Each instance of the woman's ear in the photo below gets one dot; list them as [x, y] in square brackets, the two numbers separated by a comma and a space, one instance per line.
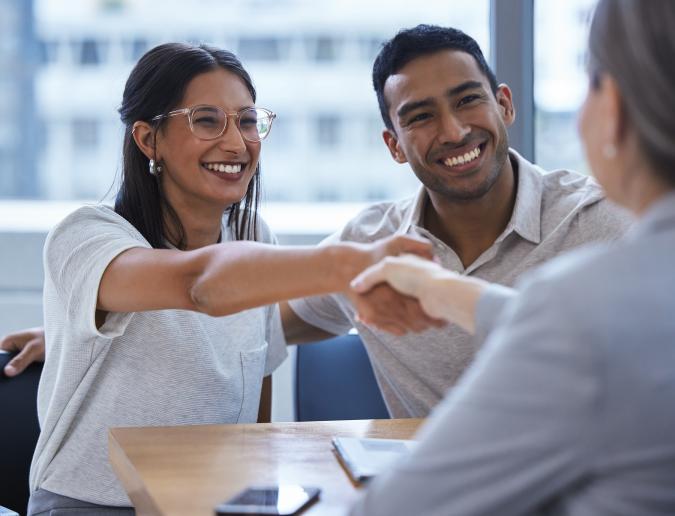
[613, 112]
[144, 136]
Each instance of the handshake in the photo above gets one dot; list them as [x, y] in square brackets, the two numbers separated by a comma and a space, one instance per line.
[406, 290]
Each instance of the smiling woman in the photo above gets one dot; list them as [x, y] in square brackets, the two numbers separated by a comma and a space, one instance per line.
[161, 311]
[188, 152]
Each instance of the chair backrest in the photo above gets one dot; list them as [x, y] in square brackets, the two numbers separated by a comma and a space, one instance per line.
[19, 429]
[334, 381]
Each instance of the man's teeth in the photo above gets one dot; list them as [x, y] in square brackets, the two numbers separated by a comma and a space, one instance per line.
[461, 160]
[222, 167]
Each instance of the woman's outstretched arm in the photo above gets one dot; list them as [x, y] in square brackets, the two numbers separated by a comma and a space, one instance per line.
[222, 279]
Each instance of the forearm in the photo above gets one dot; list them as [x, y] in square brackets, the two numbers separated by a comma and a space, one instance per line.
[241, 275]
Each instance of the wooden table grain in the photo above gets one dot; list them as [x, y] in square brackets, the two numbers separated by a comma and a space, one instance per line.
[188, 470]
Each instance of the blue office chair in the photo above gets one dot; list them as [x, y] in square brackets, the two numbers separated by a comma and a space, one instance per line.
[19, 429]
[334, 380]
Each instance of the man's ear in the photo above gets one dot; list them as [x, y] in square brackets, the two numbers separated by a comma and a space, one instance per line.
[505, 100]
[391, 142]
[144, 136]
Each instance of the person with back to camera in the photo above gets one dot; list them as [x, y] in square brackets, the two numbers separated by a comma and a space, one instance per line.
[150, 307]
[568, 408]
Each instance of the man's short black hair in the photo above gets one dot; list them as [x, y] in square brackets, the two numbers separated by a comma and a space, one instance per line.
[422, 40]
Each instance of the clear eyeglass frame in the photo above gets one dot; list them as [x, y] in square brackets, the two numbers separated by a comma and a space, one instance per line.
[263, 124]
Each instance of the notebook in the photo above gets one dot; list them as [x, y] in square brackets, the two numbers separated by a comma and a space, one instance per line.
[365, 458]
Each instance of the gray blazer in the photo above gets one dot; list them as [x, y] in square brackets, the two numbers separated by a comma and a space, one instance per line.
[569, 407]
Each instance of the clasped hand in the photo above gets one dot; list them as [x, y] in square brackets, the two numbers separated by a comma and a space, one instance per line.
[387, 295]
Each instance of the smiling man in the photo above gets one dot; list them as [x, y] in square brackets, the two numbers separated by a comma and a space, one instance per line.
[489, 212]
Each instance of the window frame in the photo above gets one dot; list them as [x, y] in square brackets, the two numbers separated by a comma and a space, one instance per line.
[512, 60]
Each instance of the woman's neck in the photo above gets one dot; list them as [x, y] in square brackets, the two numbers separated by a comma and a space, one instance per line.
[201, 227]
[647, 189]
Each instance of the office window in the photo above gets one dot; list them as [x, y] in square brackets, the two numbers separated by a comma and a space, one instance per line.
[7, 135]
[560, 82]
[370, 46]
[376, 192]
[327, 193]
[328, 130]
[323, 49]
[47, 51]
[133, 49]
[372, 131]
[8, 21]
[87, 50]
[112, 5]
[263, 48]
[85, 134]
[283, 132]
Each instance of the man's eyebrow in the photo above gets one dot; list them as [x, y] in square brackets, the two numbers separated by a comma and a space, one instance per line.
[412, 106]
[468, 85]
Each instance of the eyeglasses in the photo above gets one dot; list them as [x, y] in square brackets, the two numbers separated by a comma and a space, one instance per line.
[210, 122]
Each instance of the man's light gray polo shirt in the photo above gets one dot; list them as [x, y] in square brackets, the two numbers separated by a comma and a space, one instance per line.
[553, 212]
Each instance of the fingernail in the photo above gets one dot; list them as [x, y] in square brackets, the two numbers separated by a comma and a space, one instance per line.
[10, 370]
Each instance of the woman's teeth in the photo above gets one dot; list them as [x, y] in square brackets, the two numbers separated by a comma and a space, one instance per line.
[222, 167]
[463, 159]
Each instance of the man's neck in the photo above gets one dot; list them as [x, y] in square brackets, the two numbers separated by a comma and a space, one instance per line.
[471, 227]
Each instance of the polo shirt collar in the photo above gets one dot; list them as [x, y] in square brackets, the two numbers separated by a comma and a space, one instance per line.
[526, 216]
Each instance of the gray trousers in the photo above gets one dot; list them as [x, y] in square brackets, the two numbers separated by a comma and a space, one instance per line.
[46, 503]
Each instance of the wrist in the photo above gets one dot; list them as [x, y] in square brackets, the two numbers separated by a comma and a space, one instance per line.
[346, 261]
[467, 292]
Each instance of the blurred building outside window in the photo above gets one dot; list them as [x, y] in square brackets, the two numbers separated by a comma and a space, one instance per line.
[311, 64]
[560, 82]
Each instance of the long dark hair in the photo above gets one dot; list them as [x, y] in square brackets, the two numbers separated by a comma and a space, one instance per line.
[155, 86]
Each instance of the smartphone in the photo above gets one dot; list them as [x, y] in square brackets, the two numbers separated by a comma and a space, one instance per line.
[282, 500]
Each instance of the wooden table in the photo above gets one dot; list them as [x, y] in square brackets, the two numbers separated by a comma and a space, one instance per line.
[189, 470]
